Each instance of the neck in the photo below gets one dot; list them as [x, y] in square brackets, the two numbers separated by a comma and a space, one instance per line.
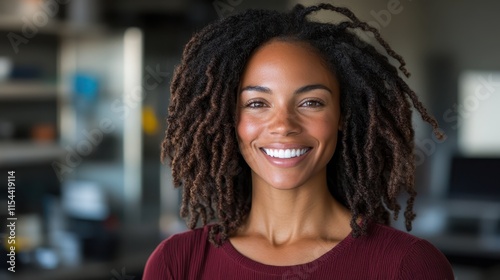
[284, 216]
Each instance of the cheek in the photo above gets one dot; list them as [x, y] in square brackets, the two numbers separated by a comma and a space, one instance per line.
[328, 133]
[326, 128]
[247, 129]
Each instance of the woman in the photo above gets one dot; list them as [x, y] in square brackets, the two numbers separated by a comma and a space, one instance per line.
[292, 140]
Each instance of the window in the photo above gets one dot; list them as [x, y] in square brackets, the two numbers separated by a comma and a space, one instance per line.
[478, 114]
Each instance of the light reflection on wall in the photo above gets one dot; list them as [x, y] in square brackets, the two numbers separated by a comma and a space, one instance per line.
[478, 114]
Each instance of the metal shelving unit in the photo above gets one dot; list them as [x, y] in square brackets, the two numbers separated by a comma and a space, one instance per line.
[114, 56]
[27, 90]
[18, 153]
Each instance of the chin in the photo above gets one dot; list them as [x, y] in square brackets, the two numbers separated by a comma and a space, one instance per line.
[285, 185]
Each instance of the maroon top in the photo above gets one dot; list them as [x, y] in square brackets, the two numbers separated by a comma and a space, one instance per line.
[385, 253]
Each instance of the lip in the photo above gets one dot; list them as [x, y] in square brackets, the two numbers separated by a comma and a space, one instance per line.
[285, 162]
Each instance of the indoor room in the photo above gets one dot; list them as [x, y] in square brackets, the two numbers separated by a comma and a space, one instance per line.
[84, 97]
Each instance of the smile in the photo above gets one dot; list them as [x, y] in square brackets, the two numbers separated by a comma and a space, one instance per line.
[285, 153]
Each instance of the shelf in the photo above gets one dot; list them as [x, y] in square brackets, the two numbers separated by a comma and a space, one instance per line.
[16, 24]
[53, 27]
[27, 90]
[15, 153]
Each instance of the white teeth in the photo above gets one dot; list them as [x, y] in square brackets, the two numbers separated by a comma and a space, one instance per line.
[281, 154]
[288, 153]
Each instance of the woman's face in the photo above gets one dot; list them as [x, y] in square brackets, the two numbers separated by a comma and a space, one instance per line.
[288, 115]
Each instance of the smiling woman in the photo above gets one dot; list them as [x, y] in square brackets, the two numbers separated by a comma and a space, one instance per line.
[292, 140]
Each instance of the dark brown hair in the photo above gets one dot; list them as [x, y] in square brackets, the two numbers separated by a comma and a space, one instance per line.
[374, 159]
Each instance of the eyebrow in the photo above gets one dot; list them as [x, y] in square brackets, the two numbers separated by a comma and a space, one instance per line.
[297, 91]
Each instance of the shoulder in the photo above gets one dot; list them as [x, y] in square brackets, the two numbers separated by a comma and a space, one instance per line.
[170, 258]
[386, 235]
[417, 258]
[185, 241]
[424, 261]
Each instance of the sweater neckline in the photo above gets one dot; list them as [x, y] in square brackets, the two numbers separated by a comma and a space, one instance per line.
[290, 270]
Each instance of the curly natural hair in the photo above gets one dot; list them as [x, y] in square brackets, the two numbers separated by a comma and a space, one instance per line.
[374, 159]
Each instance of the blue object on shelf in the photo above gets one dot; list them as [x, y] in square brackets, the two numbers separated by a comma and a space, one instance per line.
[25, 72]
[86, 86]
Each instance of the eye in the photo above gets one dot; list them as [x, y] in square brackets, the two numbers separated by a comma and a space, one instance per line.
[255, 104]
[312, 103]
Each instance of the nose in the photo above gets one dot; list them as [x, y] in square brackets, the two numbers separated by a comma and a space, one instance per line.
[284, 122]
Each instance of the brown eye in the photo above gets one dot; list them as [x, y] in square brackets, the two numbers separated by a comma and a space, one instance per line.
[255, 104]
[312, 103]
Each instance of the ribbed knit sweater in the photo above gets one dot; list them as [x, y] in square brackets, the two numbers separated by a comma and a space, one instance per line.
[384, 253]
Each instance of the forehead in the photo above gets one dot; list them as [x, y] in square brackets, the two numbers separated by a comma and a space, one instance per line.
[286, 62]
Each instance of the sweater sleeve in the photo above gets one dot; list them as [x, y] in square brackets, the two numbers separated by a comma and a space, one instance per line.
[424, 261]
[156, 266]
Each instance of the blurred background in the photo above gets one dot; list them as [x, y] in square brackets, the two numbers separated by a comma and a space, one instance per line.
[84, 90]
